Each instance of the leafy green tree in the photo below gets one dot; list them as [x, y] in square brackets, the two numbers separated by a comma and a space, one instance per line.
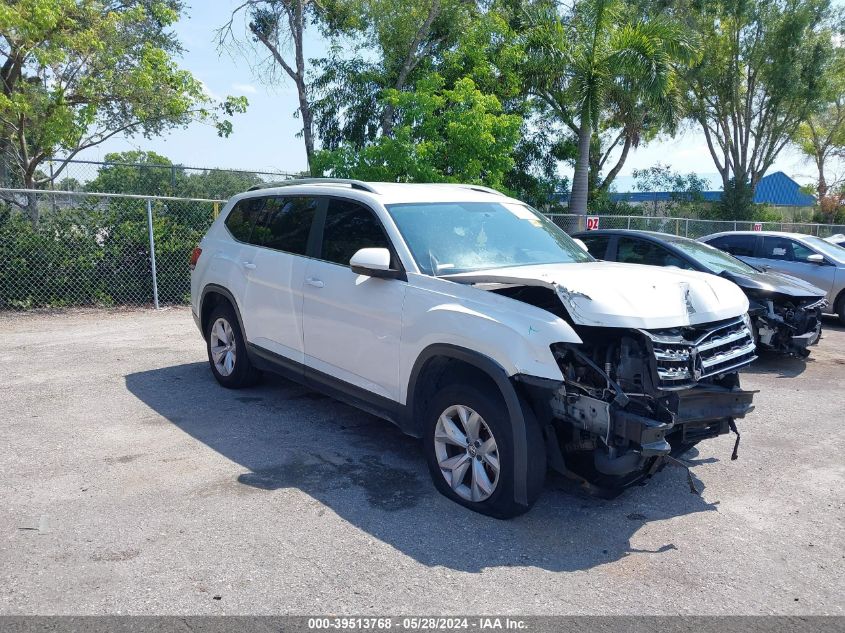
[275, 25]
[441, 135]
[685, 190]
[138, 172]
[74, 73]
[395, 42]
[821, 137]
[762, 72]
[399, 45]
[597, 67]
[219, 183]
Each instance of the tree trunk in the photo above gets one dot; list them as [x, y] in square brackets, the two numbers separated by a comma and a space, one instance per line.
[580, 180]
[31, 199]
[822, 188]
[307, 125]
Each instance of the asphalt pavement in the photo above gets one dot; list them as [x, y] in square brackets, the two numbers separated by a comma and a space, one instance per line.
[131, 483]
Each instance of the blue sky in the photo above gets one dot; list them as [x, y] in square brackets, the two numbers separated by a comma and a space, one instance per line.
[265, 137]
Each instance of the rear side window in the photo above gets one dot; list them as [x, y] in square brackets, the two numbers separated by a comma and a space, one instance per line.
[737, 245]
[633, 251]
[350, 227]
[285, 223]
[241, 218]
[596, 244]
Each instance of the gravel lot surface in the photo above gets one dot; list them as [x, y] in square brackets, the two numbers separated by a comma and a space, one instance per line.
[130, 482]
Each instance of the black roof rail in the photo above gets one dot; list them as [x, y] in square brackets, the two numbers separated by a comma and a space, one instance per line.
[353, 184]
[482, 189]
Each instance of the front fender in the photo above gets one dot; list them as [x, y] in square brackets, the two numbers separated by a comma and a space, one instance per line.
[515, 335]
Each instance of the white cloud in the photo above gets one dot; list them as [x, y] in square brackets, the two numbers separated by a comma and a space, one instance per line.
[247, 88]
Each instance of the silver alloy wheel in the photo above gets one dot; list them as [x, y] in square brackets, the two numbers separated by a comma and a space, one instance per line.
[223, 348]
[466, 452]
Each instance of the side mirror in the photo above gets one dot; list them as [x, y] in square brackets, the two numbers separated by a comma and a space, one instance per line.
[373, 262]
[580, 243]
[815, 258]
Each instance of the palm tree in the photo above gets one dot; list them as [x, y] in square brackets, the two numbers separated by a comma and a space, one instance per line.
[578, 62]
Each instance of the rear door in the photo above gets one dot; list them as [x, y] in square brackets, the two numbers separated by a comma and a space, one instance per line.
[273, 300]
[742, 246]
[352, 323]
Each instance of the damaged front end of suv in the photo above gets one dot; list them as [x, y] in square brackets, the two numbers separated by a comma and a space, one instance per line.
[653, 374]
[630, 399]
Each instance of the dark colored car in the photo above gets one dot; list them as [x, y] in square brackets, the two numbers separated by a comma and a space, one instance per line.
[785, 311]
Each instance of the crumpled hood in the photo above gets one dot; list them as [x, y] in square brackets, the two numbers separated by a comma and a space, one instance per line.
[610, 294]
[772, 282]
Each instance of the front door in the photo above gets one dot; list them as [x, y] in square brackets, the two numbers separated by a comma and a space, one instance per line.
[352, 323]
[790, 256]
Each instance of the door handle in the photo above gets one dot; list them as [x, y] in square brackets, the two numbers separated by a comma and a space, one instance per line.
[313, 281]
[248, 265]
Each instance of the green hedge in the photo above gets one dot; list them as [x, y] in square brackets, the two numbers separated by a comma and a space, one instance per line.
[98, 255]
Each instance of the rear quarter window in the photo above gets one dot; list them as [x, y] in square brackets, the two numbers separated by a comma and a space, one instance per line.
[241, 218]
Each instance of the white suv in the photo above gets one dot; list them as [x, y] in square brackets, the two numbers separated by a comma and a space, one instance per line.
[473, 322]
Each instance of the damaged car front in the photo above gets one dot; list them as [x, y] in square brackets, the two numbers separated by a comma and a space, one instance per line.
[785, 311]
[654, 373]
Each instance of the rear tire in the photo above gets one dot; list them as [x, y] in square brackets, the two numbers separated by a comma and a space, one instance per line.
[469, 448]
[226, 347]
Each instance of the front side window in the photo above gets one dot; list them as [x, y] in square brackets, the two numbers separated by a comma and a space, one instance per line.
[780, 248]
[285, 223]
[242, 217]
[736, 245]
[633, 251]
[349, 227]
[454, 237]
[712, 258]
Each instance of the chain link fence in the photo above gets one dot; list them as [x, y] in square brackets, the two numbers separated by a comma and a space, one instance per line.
[145, 178]
[62, 249]
[75, 249]
[687, 227]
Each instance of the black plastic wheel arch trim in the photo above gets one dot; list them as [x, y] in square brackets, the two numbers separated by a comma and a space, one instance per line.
[503, 381]
[217, 289]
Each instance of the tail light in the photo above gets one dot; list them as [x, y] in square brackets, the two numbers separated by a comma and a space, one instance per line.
[195, 255]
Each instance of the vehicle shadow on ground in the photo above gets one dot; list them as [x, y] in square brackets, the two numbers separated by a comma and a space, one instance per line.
[779, 364]
[373, 476]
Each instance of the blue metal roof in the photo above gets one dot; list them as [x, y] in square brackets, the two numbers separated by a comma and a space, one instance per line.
[776, 189]
[780, 190]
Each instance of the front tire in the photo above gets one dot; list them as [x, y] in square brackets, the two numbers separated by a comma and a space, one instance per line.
[226, 347]
[469, 449]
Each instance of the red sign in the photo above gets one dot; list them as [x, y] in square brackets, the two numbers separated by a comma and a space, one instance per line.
[592, 222]
[758, 226]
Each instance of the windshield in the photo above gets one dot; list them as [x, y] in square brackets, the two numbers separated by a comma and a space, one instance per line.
[456, 237]
[712, 258]
[826, 248]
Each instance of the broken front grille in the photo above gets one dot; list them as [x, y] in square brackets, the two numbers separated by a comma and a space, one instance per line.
[686, 355]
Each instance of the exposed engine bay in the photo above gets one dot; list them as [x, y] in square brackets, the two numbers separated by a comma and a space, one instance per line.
[633, 399]
[787, 324]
